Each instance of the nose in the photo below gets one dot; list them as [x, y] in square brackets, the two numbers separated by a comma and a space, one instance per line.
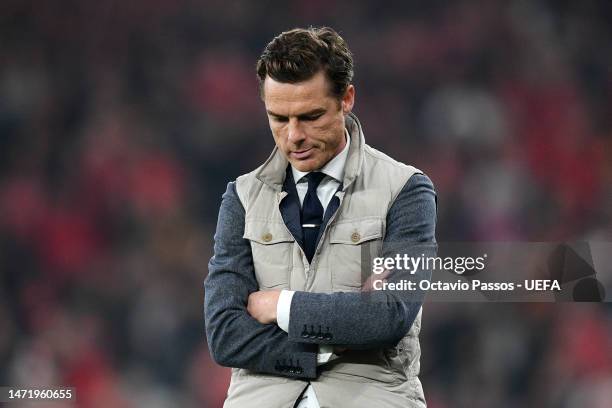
[296, 133]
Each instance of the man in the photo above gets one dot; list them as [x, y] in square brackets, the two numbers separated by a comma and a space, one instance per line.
[284, 299]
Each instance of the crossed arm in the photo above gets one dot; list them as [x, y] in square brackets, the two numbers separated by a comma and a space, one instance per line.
[236, 339]
[240, 318]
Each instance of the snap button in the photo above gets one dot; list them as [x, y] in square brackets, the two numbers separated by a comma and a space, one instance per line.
[267, 237]
[355, 237]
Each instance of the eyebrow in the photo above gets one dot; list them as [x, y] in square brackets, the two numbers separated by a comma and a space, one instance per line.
[313, 112]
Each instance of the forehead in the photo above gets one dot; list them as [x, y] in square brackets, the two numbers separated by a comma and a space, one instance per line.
[285, 98]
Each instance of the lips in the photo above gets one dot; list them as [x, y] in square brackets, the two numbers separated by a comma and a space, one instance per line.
[302, 154]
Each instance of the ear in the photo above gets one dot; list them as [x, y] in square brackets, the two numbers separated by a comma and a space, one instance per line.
[348, 100]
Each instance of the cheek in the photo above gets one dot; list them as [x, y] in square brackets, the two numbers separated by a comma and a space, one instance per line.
[278, 134]
[321, 130]
[280, 142]
[326, 132]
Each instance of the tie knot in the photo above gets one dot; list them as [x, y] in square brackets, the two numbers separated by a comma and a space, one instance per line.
[314, 179]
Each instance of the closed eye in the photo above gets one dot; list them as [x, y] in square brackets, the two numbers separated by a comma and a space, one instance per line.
[310, 117]
[279, 118]
[306, 116]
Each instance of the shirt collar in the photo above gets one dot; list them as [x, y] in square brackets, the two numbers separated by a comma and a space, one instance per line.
[333, 168]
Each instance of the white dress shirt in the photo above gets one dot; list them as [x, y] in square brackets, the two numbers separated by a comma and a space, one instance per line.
[334, 174]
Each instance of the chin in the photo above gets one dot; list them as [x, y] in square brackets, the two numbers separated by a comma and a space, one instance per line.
[302, 167]
[306, 165]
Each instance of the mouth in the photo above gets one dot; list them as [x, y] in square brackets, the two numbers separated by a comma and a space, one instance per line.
[302, 154]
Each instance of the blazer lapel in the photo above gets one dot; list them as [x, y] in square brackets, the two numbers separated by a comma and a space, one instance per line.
[290, 208]
[331, 209]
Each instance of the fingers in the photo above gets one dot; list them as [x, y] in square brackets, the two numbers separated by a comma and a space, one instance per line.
[368, 285]
[261, 305]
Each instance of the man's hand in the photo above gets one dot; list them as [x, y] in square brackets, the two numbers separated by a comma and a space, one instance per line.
[262, 305]
[368, 285]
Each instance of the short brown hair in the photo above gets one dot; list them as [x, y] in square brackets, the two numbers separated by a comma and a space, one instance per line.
[297, 55]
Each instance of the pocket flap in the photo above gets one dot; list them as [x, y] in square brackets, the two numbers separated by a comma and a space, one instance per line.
[356, 232]
[266, 232]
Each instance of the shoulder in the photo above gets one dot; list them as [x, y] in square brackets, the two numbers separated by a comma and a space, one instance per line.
[237, 192]
[377, 161]
[419, 191]
[230, 202]
[419, 183]
[246, 184]
[383, 170]
[413, 214]
[384, 162]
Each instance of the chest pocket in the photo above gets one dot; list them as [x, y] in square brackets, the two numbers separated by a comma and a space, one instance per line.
[353, 244]
[272, 249]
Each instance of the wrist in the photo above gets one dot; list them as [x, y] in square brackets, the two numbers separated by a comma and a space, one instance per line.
[274, 306]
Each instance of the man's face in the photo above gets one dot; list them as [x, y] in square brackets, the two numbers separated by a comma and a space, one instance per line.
[307, 122]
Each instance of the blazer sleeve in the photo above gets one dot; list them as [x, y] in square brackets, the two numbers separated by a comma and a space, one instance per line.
[377, 318]
[235, 339]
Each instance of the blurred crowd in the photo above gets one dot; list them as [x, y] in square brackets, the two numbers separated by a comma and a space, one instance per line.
[122, 122]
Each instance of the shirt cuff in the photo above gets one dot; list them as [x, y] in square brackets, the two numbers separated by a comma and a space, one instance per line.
[283, 309]
[326, 354]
